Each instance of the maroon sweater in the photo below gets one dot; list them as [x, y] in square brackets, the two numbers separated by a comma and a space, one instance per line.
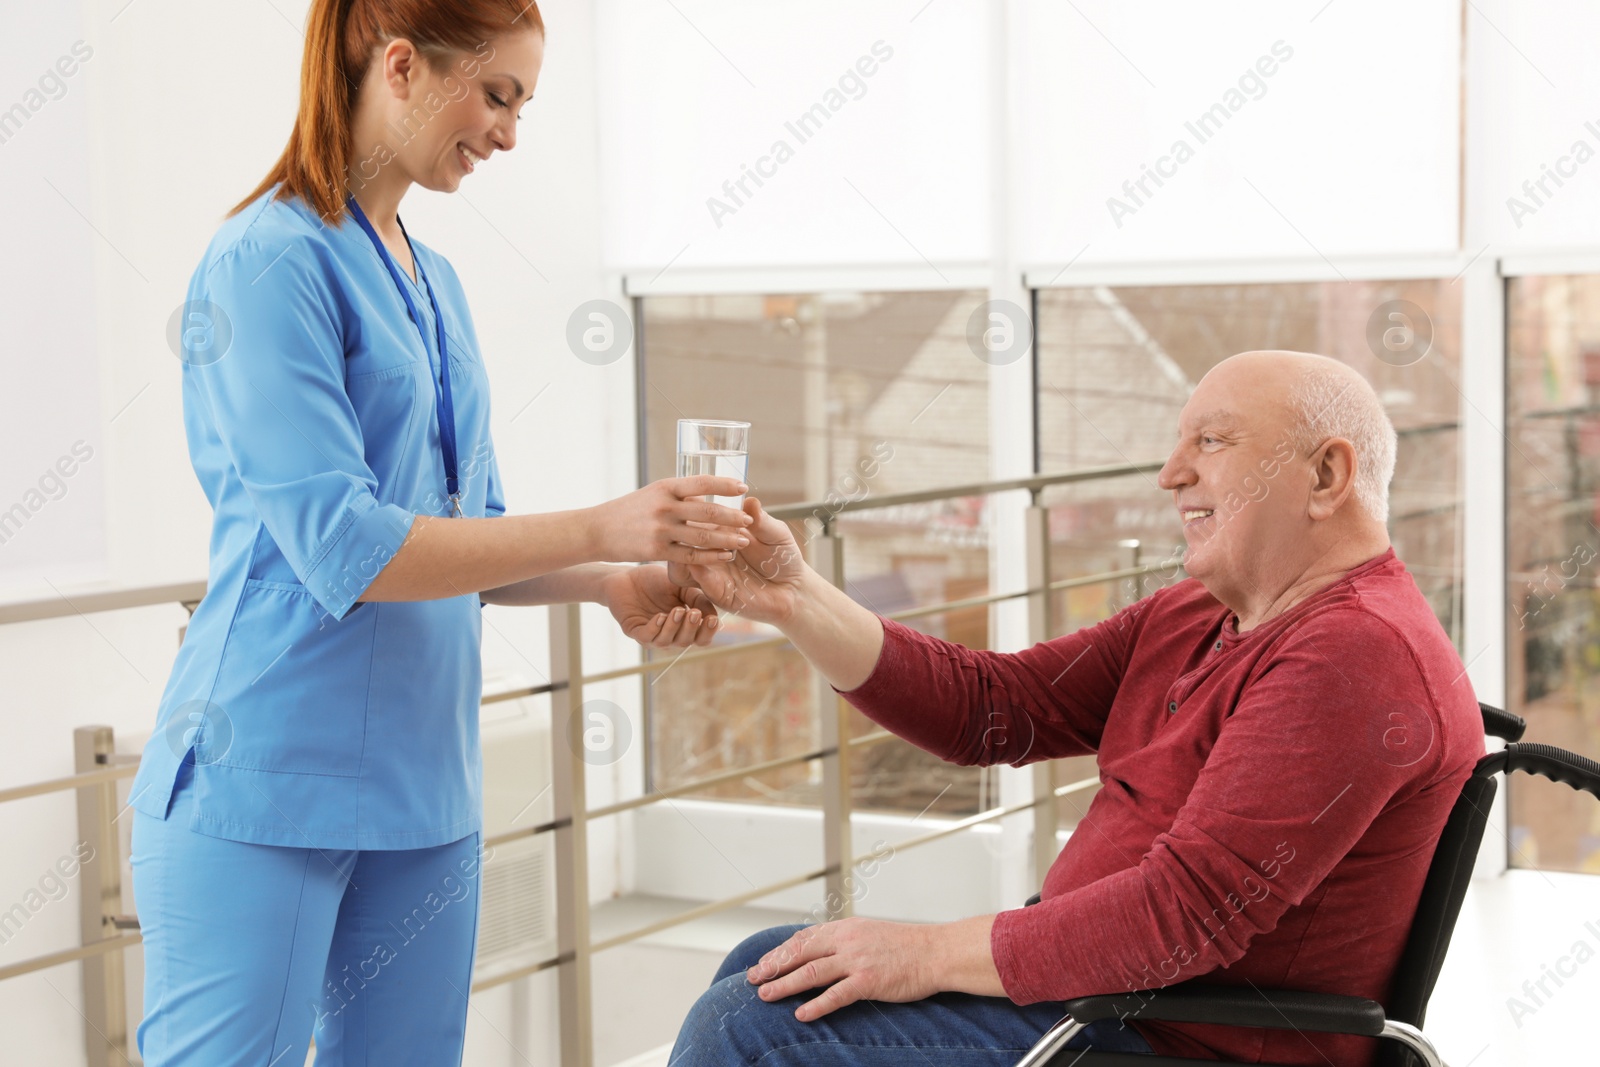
[1270, 802]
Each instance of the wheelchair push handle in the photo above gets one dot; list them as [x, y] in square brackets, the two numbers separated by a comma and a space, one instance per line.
[1556, 764]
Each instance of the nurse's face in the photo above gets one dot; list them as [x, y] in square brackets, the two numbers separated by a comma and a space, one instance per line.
[477, 96]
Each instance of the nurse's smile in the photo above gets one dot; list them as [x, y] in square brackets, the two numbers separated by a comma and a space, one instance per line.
[429, 118]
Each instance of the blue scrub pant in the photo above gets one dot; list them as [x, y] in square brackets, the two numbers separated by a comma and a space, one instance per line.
[250, 948]
[731, 1025]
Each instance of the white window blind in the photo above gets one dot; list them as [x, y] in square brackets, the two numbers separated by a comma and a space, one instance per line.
[842, 133]
[1263, 129]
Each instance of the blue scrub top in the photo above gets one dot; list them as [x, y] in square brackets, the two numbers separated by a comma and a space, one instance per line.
[314, 720]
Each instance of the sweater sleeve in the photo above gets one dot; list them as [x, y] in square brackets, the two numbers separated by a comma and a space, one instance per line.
[1313, 751]
[972, 707]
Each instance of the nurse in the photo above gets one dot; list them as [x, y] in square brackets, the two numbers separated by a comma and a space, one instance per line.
[306, 840]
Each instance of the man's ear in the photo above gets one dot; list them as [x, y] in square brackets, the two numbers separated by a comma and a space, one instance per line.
[1333, 469]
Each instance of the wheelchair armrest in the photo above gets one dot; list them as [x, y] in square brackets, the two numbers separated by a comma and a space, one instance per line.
[1278, 1009]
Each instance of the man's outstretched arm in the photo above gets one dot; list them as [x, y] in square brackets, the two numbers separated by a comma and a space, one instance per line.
[966, 706]
[839, 637]
[771, 583]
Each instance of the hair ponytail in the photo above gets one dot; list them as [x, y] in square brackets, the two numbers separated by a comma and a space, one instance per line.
[341, 36]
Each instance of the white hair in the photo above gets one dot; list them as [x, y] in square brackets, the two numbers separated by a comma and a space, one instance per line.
[1333, 401]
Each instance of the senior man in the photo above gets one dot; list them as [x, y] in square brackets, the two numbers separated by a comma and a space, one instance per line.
[1280, 738]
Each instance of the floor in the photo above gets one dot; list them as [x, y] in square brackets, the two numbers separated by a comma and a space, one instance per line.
[1523, 975]
[653, 983]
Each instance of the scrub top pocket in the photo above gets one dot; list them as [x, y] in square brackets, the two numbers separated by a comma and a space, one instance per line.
[307, 726]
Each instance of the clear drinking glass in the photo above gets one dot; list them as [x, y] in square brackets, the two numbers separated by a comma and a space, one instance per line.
[714, 446]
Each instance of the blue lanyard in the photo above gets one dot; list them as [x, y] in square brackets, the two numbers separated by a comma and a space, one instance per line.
[445, 409]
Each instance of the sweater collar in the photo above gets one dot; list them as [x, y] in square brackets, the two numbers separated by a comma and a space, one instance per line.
[1230, 619]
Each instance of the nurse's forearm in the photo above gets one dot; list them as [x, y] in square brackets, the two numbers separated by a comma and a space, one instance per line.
[451, 557]
[575, 585]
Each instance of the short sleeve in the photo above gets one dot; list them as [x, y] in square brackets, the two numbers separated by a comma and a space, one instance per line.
[276, 400]
[494, 501]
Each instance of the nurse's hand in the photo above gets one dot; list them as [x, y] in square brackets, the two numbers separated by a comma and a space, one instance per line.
[655, 612]
[664, 521]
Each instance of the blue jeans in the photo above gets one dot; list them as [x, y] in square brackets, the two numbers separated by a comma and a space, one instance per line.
[729, 1025]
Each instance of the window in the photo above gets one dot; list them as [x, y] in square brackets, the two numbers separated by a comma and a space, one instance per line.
[850, 394]
[867, 394]
[1552, 544]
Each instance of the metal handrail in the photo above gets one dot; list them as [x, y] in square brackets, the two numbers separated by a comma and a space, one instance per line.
[104, 933]
[111, 774]
[193, 591]
[1034, 483]
[52, 607]
[67, 955]
[100, 768]
[128, 940]
[723, 777]
[83, 603]
[70, 781]
[989, 815]
[967, 603]
[728, 903]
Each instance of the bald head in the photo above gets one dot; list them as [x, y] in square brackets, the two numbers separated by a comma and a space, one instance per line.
[1280, 477]
[1317, 398]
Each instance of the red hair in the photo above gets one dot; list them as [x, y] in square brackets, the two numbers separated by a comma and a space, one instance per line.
[341, 37]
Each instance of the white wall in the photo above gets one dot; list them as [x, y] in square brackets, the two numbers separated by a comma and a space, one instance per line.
[50, 516]
[186, 103]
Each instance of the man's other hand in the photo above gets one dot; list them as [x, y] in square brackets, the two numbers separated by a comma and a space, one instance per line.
[856, 959]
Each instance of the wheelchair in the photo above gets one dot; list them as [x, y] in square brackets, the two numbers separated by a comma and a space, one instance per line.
[1399, 1021]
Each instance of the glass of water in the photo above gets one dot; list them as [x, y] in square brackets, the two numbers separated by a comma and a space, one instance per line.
[714, 446]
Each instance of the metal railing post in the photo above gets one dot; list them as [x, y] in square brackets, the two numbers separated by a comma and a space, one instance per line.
[105, 1013]
[571, 805]
[838, 847]
[1040, 628]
